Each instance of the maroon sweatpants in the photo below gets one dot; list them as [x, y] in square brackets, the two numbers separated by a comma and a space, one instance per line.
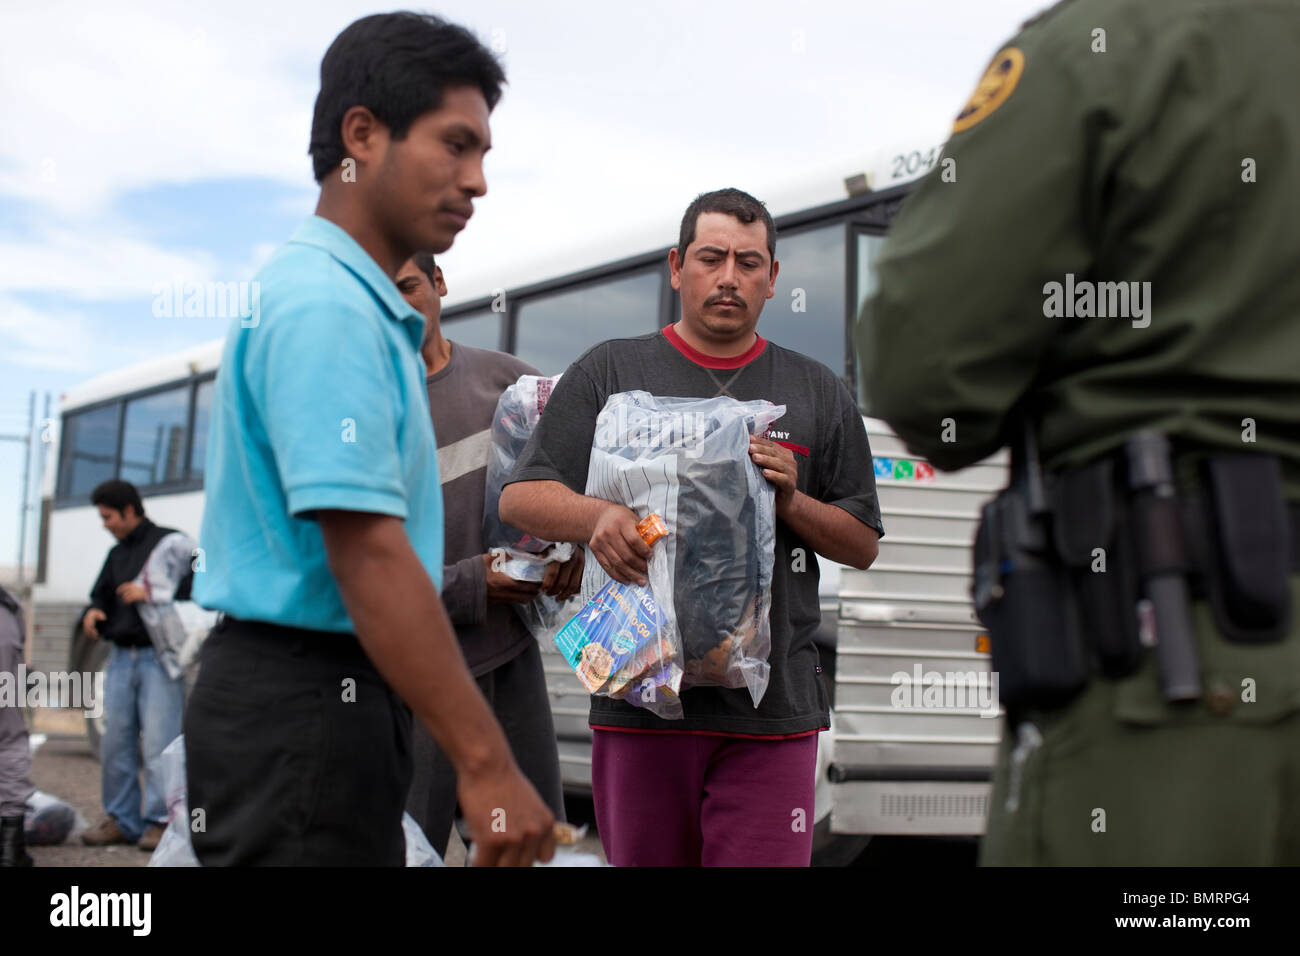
[674, 799]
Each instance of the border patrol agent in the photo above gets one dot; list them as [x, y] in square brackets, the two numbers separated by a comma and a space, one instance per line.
[1101, 273]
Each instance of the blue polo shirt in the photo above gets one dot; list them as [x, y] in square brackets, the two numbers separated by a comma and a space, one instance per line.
[319, 403]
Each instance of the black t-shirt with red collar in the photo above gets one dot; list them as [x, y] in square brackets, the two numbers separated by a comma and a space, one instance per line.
[824, 429]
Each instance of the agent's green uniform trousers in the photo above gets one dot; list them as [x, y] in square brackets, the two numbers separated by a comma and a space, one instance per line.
[1120, 778]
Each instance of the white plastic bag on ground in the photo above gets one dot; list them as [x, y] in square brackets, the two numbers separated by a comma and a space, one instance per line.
[50, 821]
[566, 858]
[419, 851]
[175, 848]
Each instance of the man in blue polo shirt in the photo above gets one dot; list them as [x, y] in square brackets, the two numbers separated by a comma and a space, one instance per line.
[322, 537]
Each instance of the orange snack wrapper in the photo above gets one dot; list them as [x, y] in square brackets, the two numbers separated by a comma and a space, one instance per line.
[651, 528]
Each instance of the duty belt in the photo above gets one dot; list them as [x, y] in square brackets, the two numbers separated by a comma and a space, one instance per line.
[1077, 571]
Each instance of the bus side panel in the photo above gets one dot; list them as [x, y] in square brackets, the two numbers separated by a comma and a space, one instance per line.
[916, 715]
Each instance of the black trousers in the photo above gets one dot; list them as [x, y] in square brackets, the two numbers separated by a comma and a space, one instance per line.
[516, 691]
[297, 752]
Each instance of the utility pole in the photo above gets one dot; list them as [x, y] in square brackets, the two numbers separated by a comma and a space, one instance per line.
[26, 439]
[27, 483]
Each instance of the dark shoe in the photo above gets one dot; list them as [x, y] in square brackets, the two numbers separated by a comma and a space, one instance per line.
[149, 841]
[106, 833]
[13, 851]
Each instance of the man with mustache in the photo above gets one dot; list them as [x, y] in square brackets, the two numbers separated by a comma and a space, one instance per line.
[730, 783]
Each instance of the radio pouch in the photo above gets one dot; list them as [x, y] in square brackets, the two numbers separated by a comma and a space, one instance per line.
[1091, 536]
[1023, 596]
[1249, 547]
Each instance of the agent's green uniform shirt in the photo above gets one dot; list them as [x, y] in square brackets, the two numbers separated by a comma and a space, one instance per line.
[1128, 165]
[1171, 158]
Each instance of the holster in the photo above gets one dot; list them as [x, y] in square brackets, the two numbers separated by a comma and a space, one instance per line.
[1092, 525]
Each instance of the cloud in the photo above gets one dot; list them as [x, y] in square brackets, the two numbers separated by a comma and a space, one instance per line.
[94, 263]
[121, 97]
[61, 339]
[88, 341]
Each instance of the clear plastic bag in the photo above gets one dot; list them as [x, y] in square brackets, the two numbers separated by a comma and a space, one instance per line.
[622, 644]
[523, 566]
[175, 848]
[518, 554]
[711, 576]
[518, 409]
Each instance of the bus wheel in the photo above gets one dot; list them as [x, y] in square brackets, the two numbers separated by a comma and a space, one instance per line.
[90, 656]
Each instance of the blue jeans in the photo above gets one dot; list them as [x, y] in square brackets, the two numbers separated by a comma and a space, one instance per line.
[142, 707]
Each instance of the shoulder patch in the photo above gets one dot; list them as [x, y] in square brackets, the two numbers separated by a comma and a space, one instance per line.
[993, 89]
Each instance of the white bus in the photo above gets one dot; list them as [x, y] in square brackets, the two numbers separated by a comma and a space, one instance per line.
[888, 766]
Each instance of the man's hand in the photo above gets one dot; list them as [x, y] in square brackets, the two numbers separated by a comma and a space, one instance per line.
[503, 589]
[90, 623]
[563, 581]
[779, 467]
[508, 822]
[132, 593]
[618, 546]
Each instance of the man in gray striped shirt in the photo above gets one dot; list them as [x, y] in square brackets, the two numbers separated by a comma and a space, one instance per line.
[464, 385]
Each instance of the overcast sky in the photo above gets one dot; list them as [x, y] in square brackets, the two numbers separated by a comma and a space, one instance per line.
[149, 141]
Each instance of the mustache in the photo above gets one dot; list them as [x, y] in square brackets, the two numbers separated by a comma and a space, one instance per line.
[719, 297]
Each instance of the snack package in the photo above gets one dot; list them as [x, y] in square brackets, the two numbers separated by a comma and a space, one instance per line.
[687, 461]
[620, 644]
[514, 552]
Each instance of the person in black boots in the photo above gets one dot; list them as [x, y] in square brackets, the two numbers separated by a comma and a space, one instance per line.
[15, 750]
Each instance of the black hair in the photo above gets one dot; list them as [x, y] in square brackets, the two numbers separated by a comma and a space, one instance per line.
[424, 262]
[397, 65]
[733, 202]
[117, 495]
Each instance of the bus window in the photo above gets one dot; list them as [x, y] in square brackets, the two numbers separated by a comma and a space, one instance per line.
[479, 330]
[202, 415]
[554, 330]
[89, 444]
[153, 442]
[867, 252]
[807, 312]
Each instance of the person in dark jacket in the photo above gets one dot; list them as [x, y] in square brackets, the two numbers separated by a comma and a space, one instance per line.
[142, 704]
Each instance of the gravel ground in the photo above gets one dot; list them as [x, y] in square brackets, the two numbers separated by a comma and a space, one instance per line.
[65, 767]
